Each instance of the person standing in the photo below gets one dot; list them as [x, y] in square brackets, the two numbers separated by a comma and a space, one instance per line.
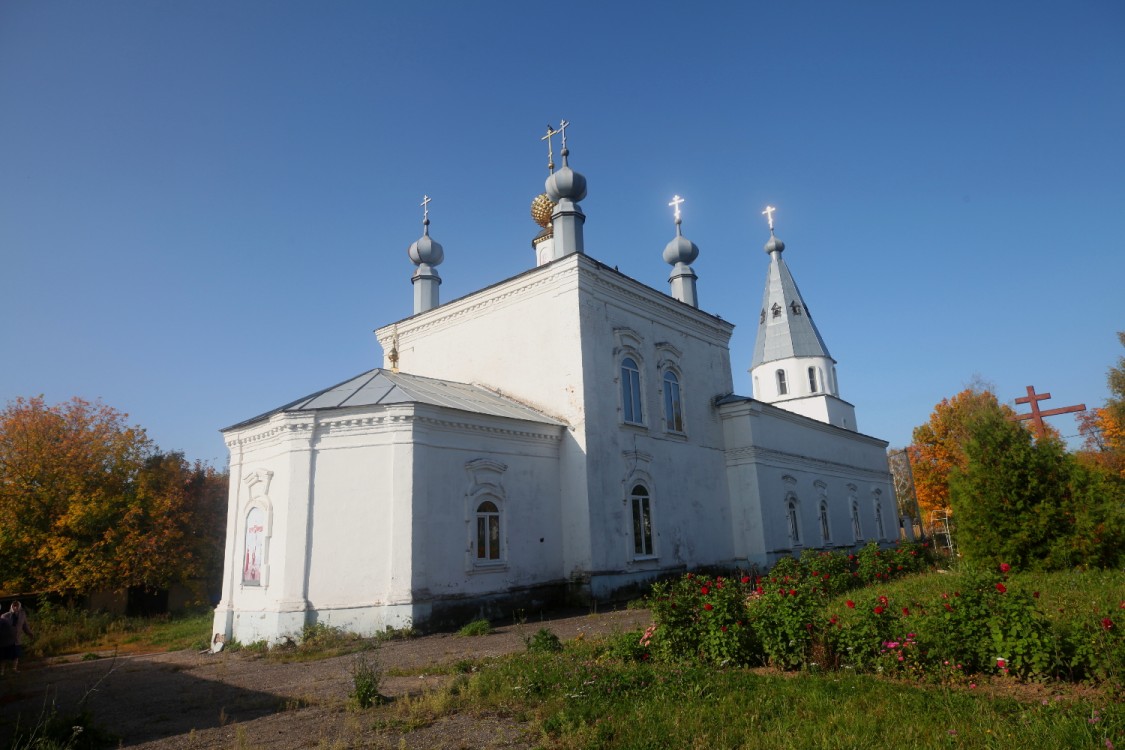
[15, 622]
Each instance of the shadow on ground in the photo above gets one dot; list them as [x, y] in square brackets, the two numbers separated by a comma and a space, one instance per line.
[174, 700]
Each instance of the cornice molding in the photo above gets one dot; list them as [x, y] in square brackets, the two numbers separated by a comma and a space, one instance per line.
[785, 460]
[317, 427]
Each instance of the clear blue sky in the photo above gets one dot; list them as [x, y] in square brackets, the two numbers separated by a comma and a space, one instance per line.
[205, 206]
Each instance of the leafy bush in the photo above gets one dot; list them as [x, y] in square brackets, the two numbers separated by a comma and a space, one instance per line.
[704, 617]
[544, 641]
[476, 627]
[935, 627]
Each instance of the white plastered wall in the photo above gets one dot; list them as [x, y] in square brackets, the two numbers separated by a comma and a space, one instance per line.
[773, 454]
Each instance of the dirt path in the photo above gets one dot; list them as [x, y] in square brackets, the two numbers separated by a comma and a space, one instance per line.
[235, 700]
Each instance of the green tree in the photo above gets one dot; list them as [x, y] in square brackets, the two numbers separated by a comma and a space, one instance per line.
[1028, 502]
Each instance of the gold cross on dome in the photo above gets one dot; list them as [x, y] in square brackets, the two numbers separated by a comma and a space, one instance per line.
[676, 201]
[551, 132]
[768, 213]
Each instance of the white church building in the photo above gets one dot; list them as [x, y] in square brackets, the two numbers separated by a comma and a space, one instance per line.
[565, 434]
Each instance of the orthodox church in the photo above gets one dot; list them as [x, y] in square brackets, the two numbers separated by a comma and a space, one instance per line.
[567, 433]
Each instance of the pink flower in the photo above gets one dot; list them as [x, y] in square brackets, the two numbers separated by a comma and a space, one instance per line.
[1107, 623]
[879, 610]
[1005, 567]
[705, 591]
[708, 607]
[1001, 588]
[850, 603]
[746, 579]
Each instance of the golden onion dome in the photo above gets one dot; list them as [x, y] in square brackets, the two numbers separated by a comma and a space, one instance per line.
[541, 209]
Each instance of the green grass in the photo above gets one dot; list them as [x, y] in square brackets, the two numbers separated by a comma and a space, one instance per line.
[60, 631]
[585, 698]
[476, 627]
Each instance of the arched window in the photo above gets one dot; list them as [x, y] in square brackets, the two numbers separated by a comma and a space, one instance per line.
[488, 531]
[857, 530]
[631, 391]
[255, 547]
[782, 386]
[825, 530]
[812, 380]
[794, 521]
[642, 522]
[673, 407]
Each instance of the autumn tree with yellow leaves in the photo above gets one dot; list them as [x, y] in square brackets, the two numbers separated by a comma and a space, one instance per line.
[939, 445]
[87, 502]
[1104, 428]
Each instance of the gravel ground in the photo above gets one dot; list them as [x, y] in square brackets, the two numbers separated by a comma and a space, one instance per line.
[236, 700]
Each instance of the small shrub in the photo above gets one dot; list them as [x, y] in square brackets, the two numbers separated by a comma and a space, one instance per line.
[366, 676]
[476, 627]
[396, 634]
[631, 646]
[319, 636]
[544, 642]
[464, 666]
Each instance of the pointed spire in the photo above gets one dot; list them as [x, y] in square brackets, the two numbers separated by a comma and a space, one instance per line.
[791, 367]
[426, 253]
[785, 327]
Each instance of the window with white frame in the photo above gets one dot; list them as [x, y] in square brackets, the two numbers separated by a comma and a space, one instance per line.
[825, 528]
[642, 521]
[794, 520]
[631, 391]
[812, 380]
[673, 406]
[857, 530]
[488, 532]
[782, 386]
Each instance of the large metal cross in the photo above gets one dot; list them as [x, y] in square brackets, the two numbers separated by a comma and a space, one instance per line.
[426, 208]
[1036, 416]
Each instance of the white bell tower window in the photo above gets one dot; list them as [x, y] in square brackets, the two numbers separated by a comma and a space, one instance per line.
[631, 391]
